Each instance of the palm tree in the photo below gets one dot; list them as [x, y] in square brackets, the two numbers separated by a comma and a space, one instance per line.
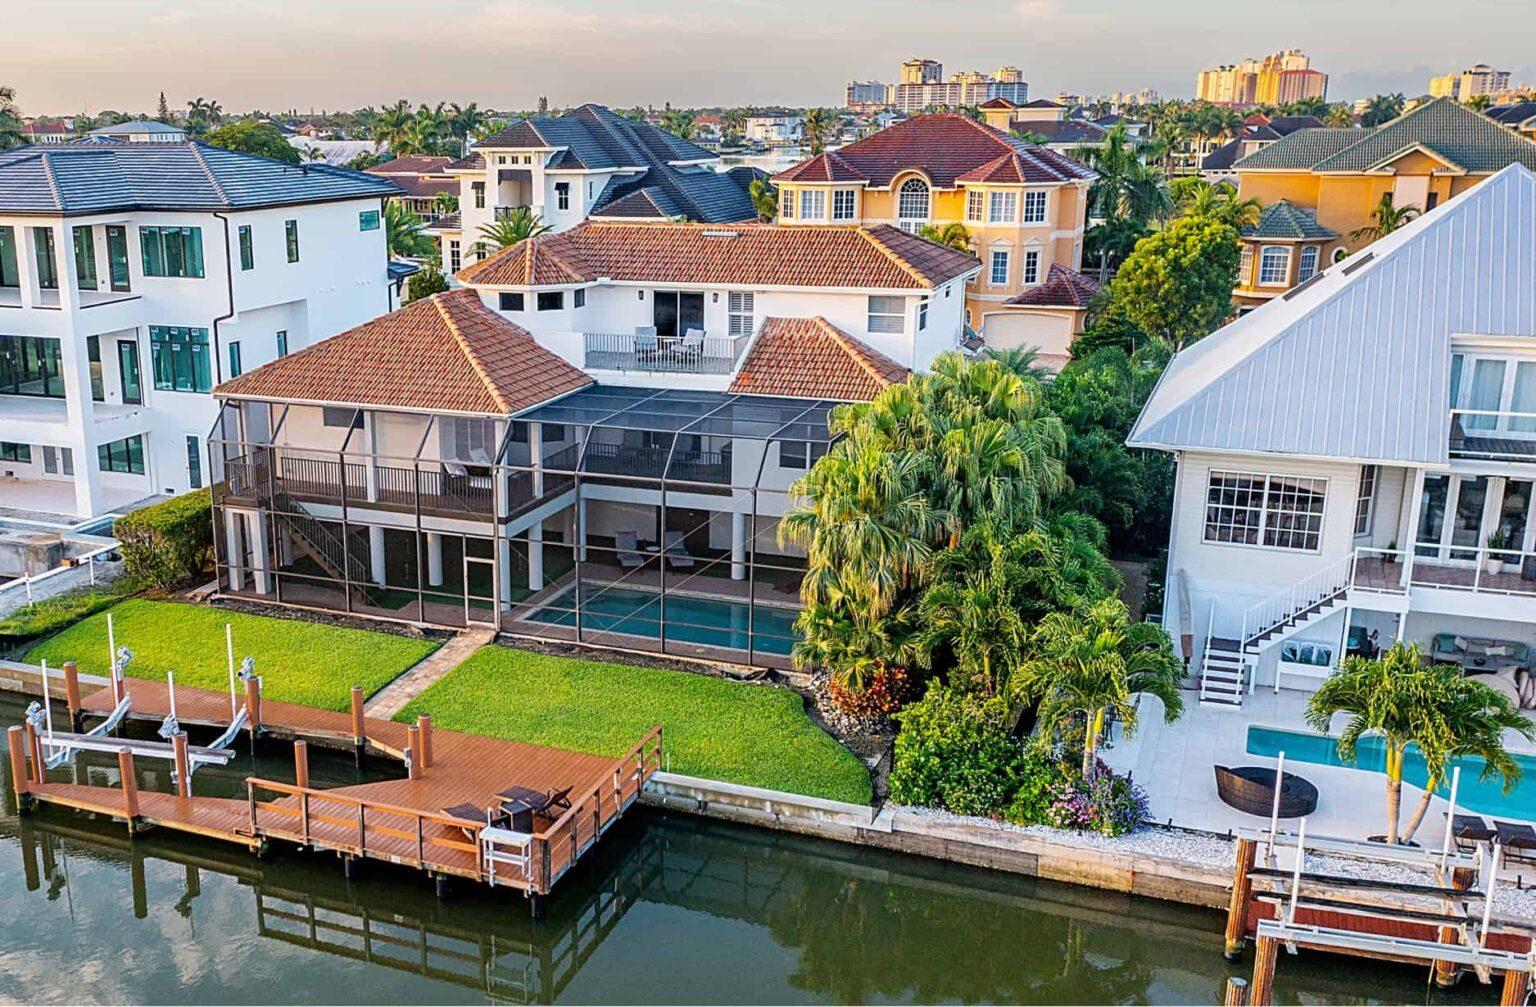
[1339, 117]
[403, 232]
[970, 609]
[1433, 708]
[1197, 197]
[464, 120]
[1087, 662]
[445, 203]
[1021, 360]
[1126, 189]
[389, 126]
[1388, 218]
[765, 199]
[952, 235]
[10, 118]
[314, 153]
[203, 113]
[519, 225]
[1479, 102]
[1382, 108]
[1308, 106]
[679, 122]
[820, 126]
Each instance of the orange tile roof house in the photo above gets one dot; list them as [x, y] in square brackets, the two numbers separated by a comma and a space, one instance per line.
[1023, 208]
[592, 440]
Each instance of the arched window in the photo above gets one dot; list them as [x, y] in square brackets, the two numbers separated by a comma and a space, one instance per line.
[1340, 254]
[912, 204]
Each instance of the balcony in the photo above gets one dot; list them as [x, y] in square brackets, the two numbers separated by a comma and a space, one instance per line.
[605, 351]
[1482, 572]
[1493, 435]
[30, 419]
[651, 462]
[49, 300]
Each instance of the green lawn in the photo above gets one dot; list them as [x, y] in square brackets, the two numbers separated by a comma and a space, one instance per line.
[713, 728]
[299, 662]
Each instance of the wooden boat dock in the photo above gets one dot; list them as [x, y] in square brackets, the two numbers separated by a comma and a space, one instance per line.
[400, 821]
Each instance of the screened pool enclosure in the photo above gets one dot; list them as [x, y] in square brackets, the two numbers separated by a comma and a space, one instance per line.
[639, 518]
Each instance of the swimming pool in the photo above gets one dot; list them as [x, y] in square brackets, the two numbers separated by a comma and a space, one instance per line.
[709, 622]
[1485, 797]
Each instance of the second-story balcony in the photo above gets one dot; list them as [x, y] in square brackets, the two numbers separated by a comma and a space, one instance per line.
[50, 299]
[692, 353]
[1478, 576]
[1493, 435]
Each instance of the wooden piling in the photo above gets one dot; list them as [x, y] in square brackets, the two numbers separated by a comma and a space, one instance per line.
[16, 740]
[253, 705]
[1262, 988]
[130, 786]
[1242, 891]
[72, 694]
[35, 752]
[1235, 994]
[413, 752]
[359, 731]
[424, 725]
[1516, 985]
[183, 764]
[1445, 972]
[301, 763]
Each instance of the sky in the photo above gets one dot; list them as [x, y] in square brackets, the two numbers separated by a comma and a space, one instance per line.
[505, 54]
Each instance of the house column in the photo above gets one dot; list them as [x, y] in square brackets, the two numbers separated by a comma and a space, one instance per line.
[233, 550]
[536, 457]
[26, 268]
[738, 545]
[504, 570]
[1410, 537]
[434, 559]
[536, 556]
[258, 533]
[376, 551]
[581, 529]
[76, 368]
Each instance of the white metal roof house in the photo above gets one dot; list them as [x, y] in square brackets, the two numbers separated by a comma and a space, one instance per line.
[1359, 456]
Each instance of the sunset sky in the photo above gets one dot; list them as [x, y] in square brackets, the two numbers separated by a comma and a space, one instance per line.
[277, 54]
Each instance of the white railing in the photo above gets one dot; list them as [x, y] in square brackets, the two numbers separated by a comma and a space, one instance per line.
[1478, 570]
[1500, 434]
[75, 572]
[1383, 570]
[1281, 607]
[617, 351]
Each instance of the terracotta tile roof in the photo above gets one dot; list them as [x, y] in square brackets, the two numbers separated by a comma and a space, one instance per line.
[757, 254]
[445, 353]
[1063, 288]
[828, 166]
[470, 162]
[813, 359]
[423, 188]
[945, 146]
[412, 164]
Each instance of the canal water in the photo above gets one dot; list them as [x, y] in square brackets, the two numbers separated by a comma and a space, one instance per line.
[669, 910]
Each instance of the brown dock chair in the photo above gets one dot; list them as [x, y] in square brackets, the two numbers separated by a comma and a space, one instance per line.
[1469, 830]
[1518, 840]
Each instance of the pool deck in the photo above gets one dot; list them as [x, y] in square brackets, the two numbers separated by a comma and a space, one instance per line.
[1173, 762]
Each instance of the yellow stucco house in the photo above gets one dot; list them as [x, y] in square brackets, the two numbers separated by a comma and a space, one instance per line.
[1319, 186]
[1024, 206]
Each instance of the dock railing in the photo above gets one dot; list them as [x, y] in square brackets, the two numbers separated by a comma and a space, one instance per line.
[556, 849]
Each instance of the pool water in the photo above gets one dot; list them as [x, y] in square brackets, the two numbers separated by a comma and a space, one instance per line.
[1485, 797]
[709, 622]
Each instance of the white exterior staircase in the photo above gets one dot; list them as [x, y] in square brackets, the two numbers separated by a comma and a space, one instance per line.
[1226, 667]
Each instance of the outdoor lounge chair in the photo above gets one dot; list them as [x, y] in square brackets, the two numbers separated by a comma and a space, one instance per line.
[1518, 840]
[678, 556]
[691, 346]
[546, 804]
[1468, 831]
[646, 343]
[628, 547]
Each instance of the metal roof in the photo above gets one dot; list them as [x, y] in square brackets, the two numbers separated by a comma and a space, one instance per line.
[103, 177]
[1355, 364]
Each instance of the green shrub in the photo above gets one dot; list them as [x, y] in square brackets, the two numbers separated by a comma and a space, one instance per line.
[50, 615]
[954, 752]
[169, 543]
[1053, 792]
[1042, 770]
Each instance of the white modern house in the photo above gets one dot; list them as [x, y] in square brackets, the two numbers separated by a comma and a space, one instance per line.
[593, 441]
[588, 162]
[1357, 460]
[136, 276]
[142, 131]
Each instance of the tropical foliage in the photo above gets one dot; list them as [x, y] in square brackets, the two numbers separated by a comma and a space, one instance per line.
[427, 281]
[1434, 709]
[820, 126]
[1382, 108]
[765, 199]
[1177, 283]
[404, 234]
[518, 225]
[1386, 217]
[10, 118]
[952, 235]
[253, 137]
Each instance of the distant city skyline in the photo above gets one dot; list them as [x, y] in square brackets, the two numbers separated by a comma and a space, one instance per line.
[280, 54]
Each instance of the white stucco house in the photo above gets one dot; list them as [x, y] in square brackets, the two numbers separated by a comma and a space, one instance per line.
[135, 277]
[1357, 459]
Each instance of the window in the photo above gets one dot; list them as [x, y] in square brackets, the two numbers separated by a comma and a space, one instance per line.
[13, 452]
[563, 195]
[1306, 266]
[10, 273]
[31, 365]
[117, 257]
[247, 248]
[842, 204]
[85, 257]
[1365, 500]
[172, 251]
[579, 298]
[341, 416]
[179, 356]
[998, 275]
[234, 358]
[126, 456]
[455, 260]
[478, 250]
[975, 202]
[93, 358]
[887, 314]
[291, 235]
[194, 464]
[1431, 201]
[740, 306]
[912, 204]
[47, 262]
[282, 342]
[591, 191]
[501, 159]
[1340, 254]
[507, 301]
[1245, 266]
[799, 454]
[368, 220]
[1002, 207]
[922, 315]
[478, 188]
[1031, 272]
[1274, 266]
[1281, 512]
[1034, 206]
[787, 204]
[813, 204]
[551, 300]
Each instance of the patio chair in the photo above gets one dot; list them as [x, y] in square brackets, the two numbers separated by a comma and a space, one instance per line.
[471, 812]
[1518, 840]
[691, 347]
[1468, 831]
[678, 556]
[646, 343]
[628, 547]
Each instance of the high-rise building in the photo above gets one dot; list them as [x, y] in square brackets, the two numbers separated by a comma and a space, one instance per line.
[868, 95]
[1276, 79]
[922, 86]
[1465, 84]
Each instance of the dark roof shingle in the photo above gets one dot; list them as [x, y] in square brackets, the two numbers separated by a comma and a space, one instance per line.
[1285, 220]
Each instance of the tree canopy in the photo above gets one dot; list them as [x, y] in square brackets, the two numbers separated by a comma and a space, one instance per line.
[1177, 283]
[254, 138]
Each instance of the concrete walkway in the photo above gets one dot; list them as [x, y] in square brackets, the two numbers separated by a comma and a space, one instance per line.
[391, 699]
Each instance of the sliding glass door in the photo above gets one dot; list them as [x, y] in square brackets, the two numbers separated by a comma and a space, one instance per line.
[1460, 515]
[674, 313]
